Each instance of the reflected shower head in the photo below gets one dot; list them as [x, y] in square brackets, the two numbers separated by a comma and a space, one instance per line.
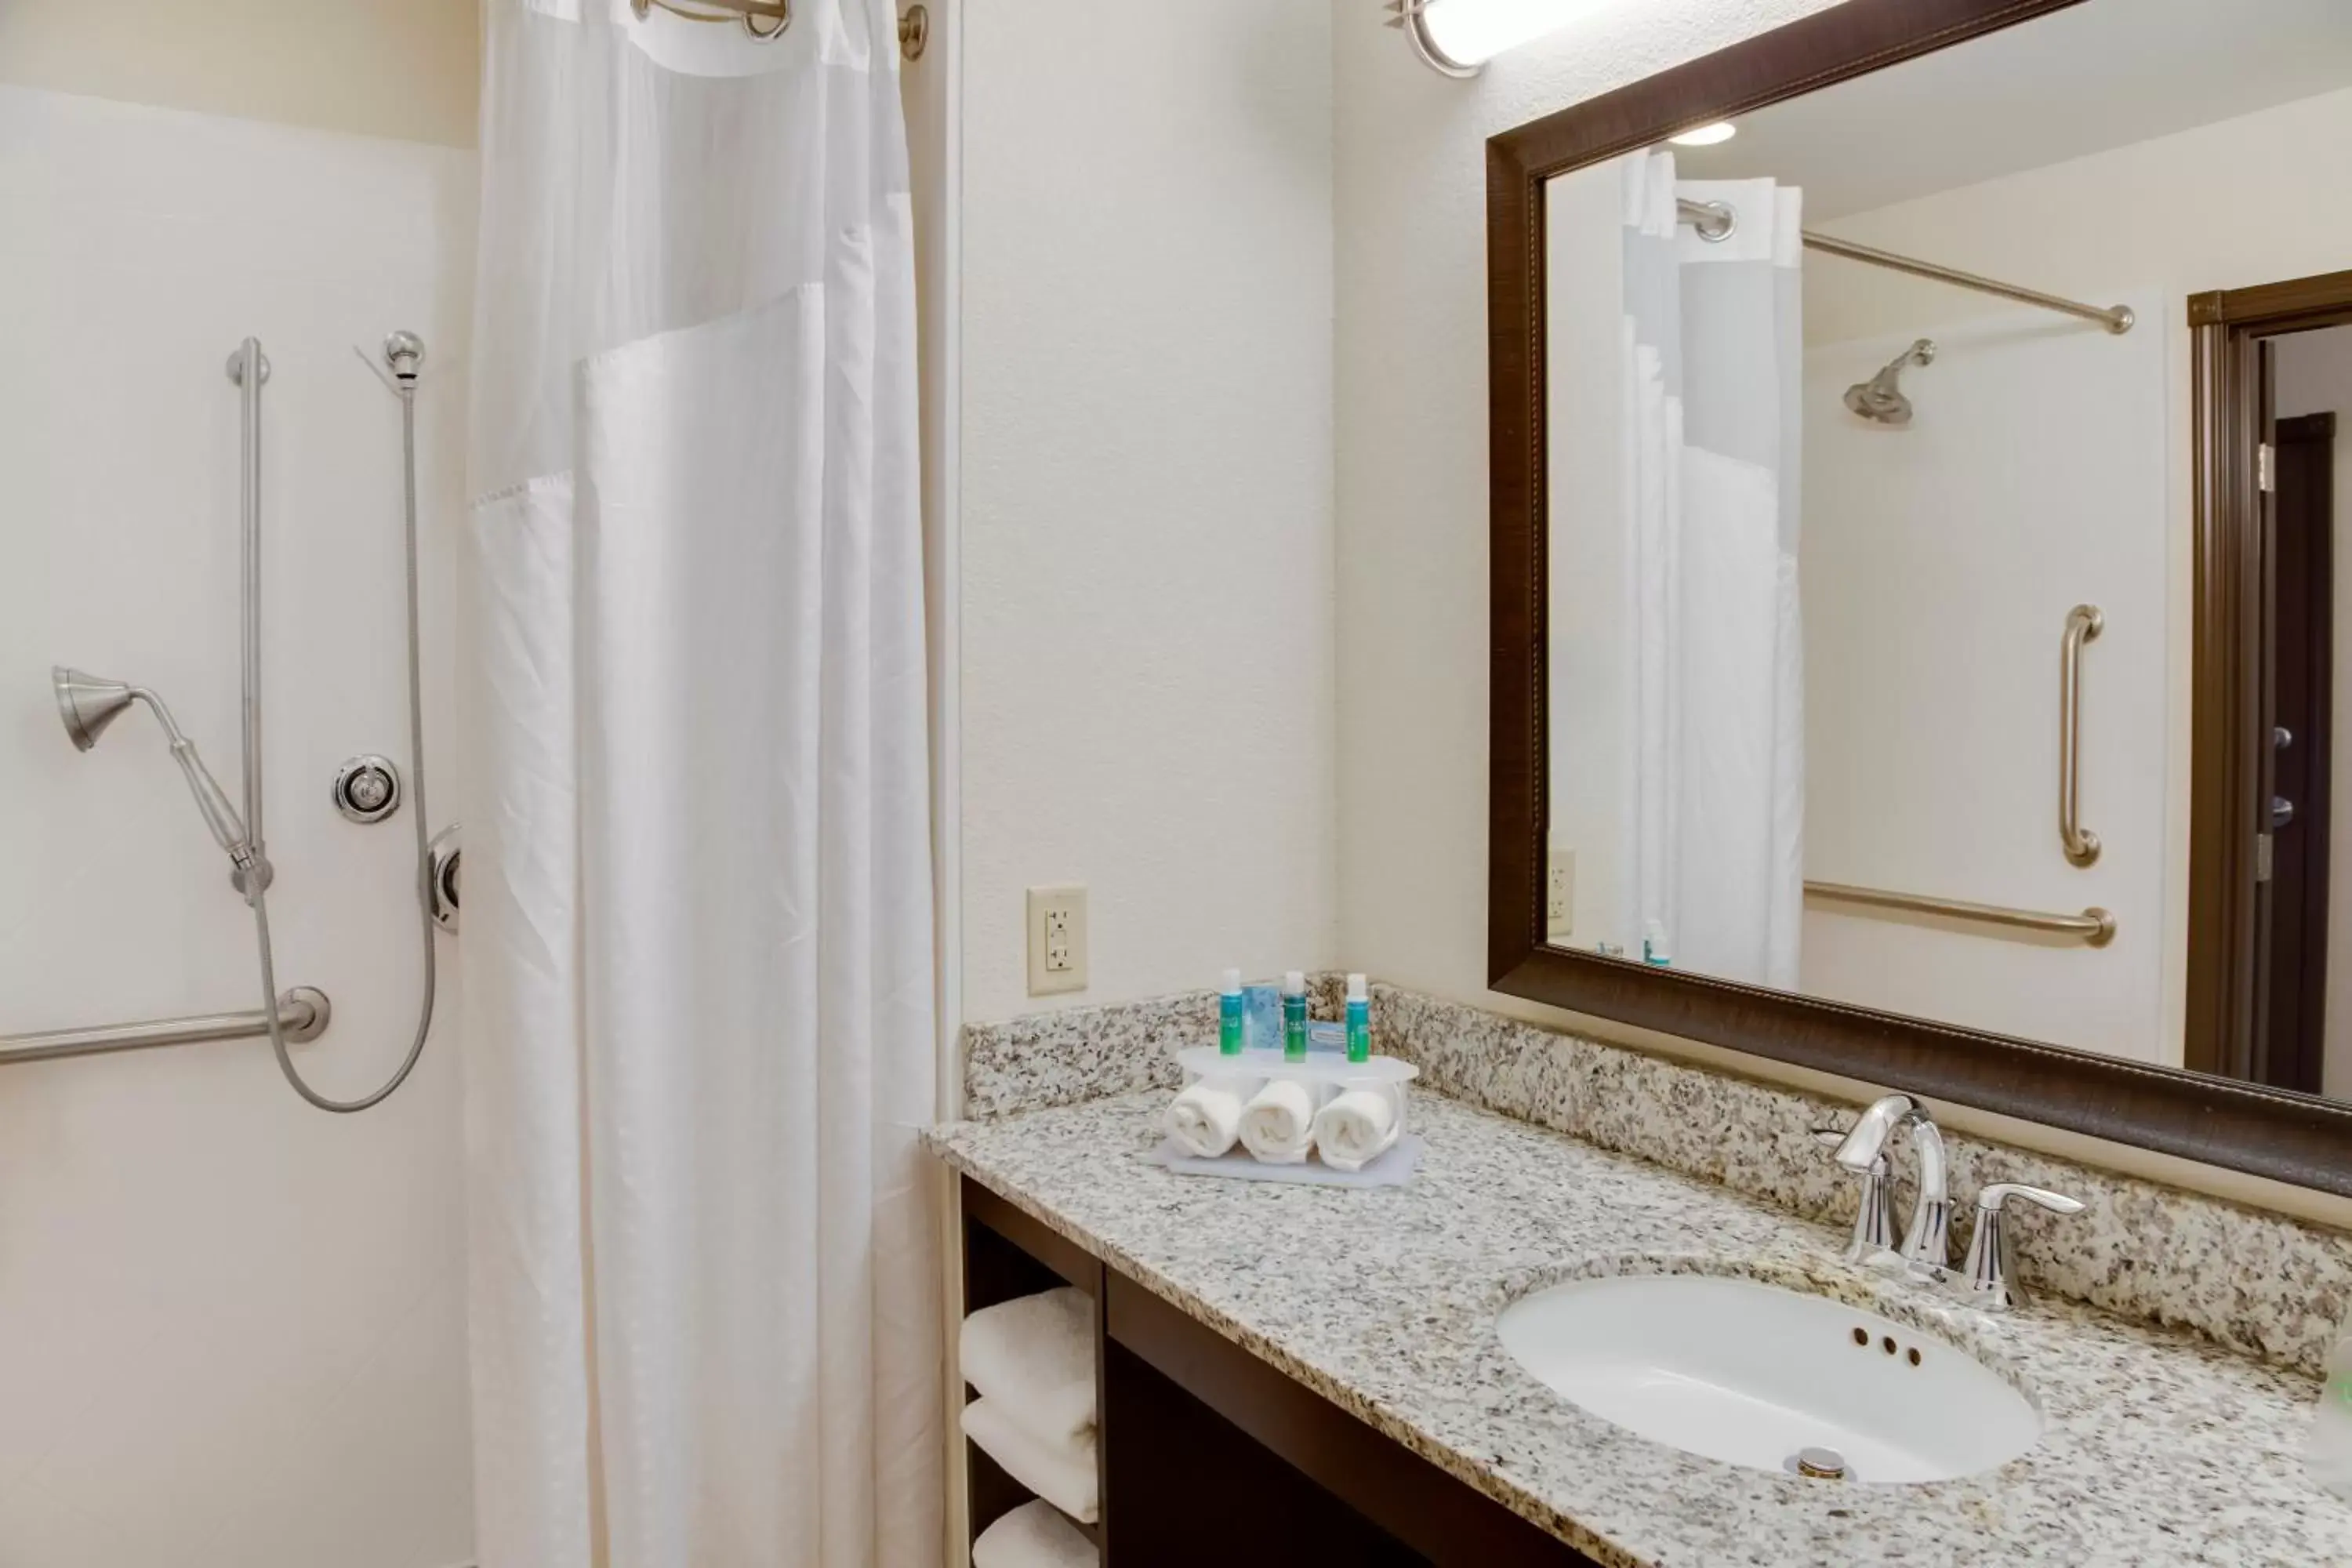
[87, 704]
[1880, 399]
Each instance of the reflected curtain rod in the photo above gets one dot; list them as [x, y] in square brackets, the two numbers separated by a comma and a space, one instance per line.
[1715, 220]
[914, 25]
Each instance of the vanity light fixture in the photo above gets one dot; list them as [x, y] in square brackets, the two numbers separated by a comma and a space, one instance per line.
[1457, 37]
[1706, 135]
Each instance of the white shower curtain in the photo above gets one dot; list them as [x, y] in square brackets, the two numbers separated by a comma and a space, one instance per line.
[1714, 753]
[705, 1319]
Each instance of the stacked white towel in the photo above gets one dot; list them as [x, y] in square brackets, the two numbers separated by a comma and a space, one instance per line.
[1035, 1357]
[1207, 1116]
[1358, 1126]
[1278, 1123]
[1062, 1473]
[1034, 1535]
[1032, 1361]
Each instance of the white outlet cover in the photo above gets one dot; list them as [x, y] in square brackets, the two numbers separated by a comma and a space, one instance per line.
[1057, 939]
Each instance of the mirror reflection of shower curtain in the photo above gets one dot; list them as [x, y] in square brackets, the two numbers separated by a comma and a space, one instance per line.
[698, 941]
[1714, 757]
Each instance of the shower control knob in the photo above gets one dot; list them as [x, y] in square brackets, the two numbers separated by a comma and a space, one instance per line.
[367, 788]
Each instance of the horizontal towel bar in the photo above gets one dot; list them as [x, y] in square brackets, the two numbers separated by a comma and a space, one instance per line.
[2094, 927]
[302, 1013]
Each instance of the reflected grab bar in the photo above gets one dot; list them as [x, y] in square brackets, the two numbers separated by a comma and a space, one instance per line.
[2083, 623]
[2094, 927]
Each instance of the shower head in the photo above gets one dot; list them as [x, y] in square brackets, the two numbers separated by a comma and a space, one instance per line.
[1880, 399]
[87, 704]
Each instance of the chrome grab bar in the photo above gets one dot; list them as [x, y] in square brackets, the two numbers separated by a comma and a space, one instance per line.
[2083, 623]
[2094, 927]
[302, 1013]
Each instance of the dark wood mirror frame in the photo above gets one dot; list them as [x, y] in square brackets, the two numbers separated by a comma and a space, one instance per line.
[2289, 1137]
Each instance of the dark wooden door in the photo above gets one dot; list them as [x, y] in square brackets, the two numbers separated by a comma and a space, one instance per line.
[2302, 655]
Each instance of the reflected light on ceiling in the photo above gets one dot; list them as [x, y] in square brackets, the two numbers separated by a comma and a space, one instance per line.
[1469, 33]
[1705, 135]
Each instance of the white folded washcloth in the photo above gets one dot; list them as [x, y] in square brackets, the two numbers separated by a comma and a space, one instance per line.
[1357, 1127]
[1035, 1535]
[1061, 1473]
[1207, 1116]
[1278, 1123]
[1034, 1359]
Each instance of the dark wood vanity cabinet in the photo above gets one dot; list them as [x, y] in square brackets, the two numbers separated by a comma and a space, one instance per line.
[1203, 1446]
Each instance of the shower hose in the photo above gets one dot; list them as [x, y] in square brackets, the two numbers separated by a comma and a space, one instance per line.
[258, 897]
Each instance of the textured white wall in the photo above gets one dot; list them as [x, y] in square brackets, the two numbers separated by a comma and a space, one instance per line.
[235, 1325]
[409, 69]
[1147, 685]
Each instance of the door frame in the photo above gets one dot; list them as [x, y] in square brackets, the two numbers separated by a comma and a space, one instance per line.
[2228, 331]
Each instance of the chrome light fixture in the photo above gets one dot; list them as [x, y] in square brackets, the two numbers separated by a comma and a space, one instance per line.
[1457, 37]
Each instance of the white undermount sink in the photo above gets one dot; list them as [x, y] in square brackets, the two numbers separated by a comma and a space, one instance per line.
[1752, 1374]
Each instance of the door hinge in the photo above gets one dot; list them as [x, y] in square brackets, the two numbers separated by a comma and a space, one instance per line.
[2266, 467]
[2264, 846]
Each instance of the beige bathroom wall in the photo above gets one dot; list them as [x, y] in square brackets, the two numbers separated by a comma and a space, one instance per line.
[407, 68]
[1410, 483]
[1148, 692]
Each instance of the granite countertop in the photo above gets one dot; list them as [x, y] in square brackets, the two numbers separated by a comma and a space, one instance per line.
[2158, 1447]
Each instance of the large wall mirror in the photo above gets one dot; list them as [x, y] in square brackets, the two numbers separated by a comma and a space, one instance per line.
[1917, 438]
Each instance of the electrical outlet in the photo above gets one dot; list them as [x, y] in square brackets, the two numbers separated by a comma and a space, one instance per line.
[1559, 893]
[1057, 939]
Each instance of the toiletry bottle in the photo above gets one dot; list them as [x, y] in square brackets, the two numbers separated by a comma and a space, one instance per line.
[1360, 1020]
[1229, 1013]
[1294, 1016]
[2327, 1452]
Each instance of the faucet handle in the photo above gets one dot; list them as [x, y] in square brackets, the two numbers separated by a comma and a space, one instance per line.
[1998, 1193]
[1992, 1262]
[1874, 1222]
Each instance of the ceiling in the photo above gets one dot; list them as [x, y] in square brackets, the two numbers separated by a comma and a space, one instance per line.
[2103, 74]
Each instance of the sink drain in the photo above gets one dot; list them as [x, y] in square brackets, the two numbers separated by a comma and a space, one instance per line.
[1818, 1464]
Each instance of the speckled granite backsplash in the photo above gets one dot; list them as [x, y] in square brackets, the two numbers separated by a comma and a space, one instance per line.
[2259, 1283]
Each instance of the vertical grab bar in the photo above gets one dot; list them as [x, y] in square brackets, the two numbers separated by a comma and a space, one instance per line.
[248, 367]
[2083, 623]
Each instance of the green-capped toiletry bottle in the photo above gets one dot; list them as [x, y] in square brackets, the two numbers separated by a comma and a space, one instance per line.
[1294, 1016]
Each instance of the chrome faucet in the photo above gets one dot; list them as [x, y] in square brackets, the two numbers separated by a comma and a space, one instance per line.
[1926, 1250]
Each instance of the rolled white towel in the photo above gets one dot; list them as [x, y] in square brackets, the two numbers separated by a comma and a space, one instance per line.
[1036, 1358]
[1035, 1535]
[1061, 1473]
[1357, 1127]
[1207, 1116]
[1278, 1123]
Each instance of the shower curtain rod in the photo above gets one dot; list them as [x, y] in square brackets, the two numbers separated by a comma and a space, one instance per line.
[1715, 220]
[914, 25]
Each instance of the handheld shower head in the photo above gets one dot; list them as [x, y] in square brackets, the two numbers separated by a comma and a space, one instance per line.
[88, 703]
[1880, 399]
